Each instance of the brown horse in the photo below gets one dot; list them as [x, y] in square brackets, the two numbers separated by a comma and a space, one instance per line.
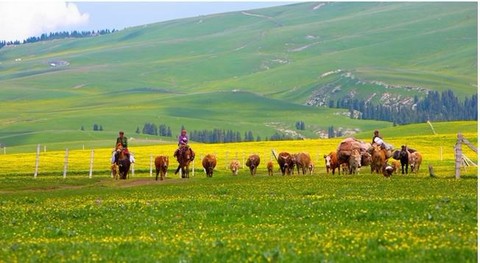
[184, 156]
[122, 162]
[161, 166]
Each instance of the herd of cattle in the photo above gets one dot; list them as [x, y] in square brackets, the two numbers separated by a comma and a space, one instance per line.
[350, 155]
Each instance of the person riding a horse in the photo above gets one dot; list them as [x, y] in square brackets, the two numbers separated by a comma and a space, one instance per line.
[120, 145]
[378, 140]
[182, 143]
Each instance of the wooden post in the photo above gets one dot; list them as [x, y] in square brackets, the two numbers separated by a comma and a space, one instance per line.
[151, 165]
[37, 161]
[65, 164]
[243, 160]
[193, 167]
[91, 165]
[458, 155]
[226, 160]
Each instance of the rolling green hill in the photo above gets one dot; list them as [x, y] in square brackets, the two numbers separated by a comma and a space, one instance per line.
[259, 70]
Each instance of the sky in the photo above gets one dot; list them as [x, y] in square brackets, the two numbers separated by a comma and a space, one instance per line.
[21, 19]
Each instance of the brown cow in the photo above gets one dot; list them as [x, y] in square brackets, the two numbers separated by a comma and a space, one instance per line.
[209, 162]
[270, 168]
[379, 157]
[234, 166]
[286, 163]
[252, 162]
[354, 161]
[366, 158]
[331, 162]
[303, 161]
[161, 166]
[415, 160]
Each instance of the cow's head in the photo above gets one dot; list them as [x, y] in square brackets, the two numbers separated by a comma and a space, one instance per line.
[328, 160]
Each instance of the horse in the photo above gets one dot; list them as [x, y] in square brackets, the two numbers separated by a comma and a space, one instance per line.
[404, 156]
[161, 166]
[184, 156]
[122, 160]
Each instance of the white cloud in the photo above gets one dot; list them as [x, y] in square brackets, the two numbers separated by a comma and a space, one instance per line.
[22, 19]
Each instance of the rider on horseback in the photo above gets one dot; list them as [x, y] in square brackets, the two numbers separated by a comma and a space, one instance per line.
[121, 145]
[182, 143]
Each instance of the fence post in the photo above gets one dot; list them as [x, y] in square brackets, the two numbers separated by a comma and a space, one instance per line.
[458, 155]
[193, 167]
[226, 160]
[151, 167]
[65, 164]
[37, 161]
[91, 165]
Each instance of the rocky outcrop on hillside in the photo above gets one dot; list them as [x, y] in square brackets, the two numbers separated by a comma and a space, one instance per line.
[347, 86]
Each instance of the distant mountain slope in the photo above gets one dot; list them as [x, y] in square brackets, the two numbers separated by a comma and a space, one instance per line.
[300, 54]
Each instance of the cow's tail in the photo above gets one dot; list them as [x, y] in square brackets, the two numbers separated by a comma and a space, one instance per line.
[274, 154]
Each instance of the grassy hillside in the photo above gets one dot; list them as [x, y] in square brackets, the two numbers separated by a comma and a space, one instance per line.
[183, 72]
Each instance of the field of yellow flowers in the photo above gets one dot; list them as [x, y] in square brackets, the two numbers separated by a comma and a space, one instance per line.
[436, 150]
[311, 218]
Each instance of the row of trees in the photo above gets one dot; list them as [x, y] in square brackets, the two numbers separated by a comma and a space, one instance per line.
[58, 35]
[96, 127]
[153, 129]
[436, 106]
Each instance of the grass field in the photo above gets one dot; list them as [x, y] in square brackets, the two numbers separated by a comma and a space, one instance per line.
[311, 218]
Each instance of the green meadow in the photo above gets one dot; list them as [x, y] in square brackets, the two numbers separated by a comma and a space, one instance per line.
[320, 217]
[240, 70]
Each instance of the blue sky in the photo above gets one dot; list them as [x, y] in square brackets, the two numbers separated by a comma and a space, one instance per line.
[125, 14]
[32, 18]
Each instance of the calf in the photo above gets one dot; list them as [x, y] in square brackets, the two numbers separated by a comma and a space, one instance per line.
[396, 166]
[270, 168]
[161, 166]
[234, 166]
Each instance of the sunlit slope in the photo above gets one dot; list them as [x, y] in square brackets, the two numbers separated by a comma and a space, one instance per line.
[277, 57]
